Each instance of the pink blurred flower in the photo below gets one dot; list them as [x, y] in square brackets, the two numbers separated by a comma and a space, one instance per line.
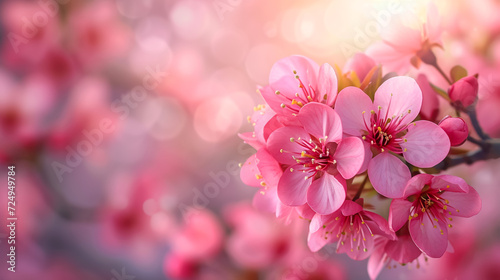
[351, 227]
[318, 159]
[360, 64]
[257, 241]
[401, 250]
[295, 81]
[429, 203]
[403, 46]
[98, 35]
[456, 129]
[387, 128]
[430, 101]
[463, 92]
[200, 237]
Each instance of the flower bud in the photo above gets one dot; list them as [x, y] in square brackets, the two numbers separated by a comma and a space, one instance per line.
[456, 129]
[464, 92]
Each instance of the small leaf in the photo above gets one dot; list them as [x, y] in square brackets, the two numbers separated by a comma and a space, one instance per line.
[441, 92]
[458, 72]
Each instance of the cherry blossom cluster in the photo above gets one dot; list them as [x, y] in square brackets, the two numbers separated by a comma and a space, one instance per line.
[328, 139]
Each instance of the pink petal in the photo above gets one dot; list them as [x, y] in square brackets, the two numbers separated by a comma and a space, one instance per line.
[350, 105]
[381, 226]
[262, 118]
[350, 156]
[269, 168]
[251, 140]
[306, 69]
[327, 85]
[284, 212]
[399, 213]
[271, 126]
[388, 175]
[316, 240]
[402, 250]
[361, 64]
[266, 200]
[305, 212]
[430, 101]
[321, 121]
[393, 61]
[427, 238]
[449, 183]
[427, 144]
[350, 208]
[368, 157]
[273, 100]
[398, 96]
[316, 223]
[292, 187]
[378, 258]
[282, 148]
[326, 194]
[360, 254]
[249, 172]
[417, 183]
[468, 204]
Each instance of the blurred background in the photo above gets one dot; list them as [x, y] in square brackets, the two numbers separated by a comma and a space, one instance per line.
[121, 119]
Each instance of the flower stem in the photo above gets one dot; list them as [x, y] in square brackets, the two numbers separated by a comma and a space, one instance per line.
[442, 73]
[361, 187]
[475, 123]
[490, 149]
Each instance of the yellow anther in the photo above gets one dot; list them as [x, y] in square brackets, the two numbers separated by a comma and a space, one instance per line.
[277, 92]
[292, 139]
[283, 105]
[249, 119]
[258, 176]
[448, 186]
[263, 183]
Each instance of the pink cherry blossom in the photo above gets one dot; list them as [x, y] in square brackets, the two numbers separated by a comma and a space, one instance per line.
[428, 205]
[295, 81]
[464, 92]
[385, 125]
[456, 129]
[403, 46]
[401, 250]
[360, 64]
[318, 159]
[351, 227]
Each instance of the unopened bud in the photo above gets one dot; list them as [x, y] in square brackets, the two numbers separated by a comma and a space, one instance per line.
[456, 129]
[464, 92]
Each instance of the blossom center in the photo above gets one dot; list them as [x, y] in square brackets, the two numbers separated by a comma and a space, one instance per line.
[316, 155]
[384, 132]
[431, 204]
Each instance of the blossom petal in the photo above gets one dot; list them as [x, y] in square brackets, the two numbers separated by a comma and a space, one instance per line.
[467, 204]
[249, 172]
[350, 105]
[399, 96]
[268, 167]
[417, 183]
[378, 258]
[316, 240]
[304, 67]
[266, 200]
[449, 183]
[326, 194]
[433, 241]
[350, 155]
[327, 85]
[427, 144]
[388, 175]
[321, 121]
[350, 208]
[399, 213]
[281, 145]
[402, 250]
[292, 187]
